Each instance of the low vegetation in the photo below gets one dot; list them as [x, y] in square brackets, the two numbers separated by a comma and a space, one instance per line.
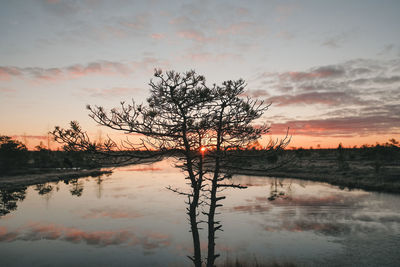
[369, 167]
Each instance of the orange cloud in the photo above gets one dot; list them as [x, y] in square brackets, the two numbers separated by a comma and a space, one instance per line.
[38, 137]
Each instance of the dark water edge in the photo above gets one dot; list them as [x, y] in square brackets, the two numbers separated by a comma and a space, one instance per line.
[342, 180]
[28, 179]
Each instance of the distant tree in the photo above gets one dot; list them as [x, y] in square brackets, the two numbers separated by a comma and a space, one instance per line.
[207, 127]
[341, 158]
[393, 143]
[41, 147]
[13, 154]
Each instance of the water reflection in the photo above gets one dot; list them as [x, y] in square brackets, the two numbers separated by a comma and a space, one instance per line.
[44, 189]
[9, 198]
[137, 222]
[329, 213]
[76, 187]
[38, 231]
[279, 189]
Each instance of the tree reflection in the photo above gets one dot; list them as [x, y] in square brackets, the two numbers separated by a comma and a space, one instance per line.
[9, 198]
[204, 193]
[208, 196]
[76, 187]
[44, 189]
[99, 181]
[279, 190]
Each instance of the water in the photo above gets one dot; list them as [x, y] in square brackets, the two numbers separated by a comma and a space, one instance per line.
[130, 219]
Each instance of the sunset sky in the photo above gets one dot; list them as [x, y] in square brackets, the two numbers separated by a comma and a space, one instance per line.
[331, 69]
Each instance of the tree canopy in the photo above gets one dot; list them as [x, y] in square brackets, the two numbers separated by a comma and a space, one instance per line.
[13, 154]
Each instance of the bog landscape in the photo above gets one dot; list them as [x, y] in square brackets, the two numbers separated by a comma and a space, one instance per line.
[199, 133]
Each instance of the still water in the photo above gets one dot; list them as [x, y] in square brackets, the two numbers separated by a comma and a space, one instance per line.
[130, 218]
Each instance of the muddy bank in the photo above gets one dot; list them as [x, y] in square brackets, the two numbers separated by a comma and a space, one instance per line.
[42, 175]
[49, 176]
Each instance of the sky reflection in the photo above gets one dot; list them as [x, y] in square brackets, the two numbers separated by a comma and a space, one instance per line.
[138, 220]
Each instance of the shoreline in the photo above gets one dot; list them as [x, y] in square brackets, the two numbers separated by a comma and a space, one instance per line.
[39, 176]
[343, 181]
[28, 179]
[355, 179]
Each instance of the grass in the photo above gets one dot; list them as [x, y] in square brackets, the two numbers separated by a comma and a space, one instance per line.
[353, 169]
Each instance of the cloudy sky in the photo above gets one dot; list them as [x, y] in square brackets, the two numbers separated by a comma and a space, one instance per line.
[331, 69]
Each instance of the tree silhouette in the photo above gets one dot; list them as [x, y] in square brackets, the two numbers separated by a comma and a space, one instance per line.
[13, 154]
[208, 128]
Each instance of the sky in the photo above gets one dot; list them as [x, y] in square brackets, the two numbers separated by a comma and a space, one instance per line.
[330, 69]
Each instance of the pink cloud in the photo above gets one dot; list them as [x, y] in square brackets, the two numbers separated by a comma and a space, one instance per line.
[140, 22]
[207, 57]
[103, 67]
[6, 236]
[341, 126]
[7, 72]
[323, 72]
[256, 93]
[70, 72]
[180, 21]
[236, 28]
[157, 36]
[52, 74]
[7, 90]
[242, 11]
[113, 214]
[110, 92]
[192, 35]
[326, 98]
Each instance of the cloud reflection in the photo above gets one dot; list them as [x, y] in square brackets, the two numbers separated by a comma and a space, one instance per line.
[327, 213]
[38, 231]
[111, 213]
[141, 169]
